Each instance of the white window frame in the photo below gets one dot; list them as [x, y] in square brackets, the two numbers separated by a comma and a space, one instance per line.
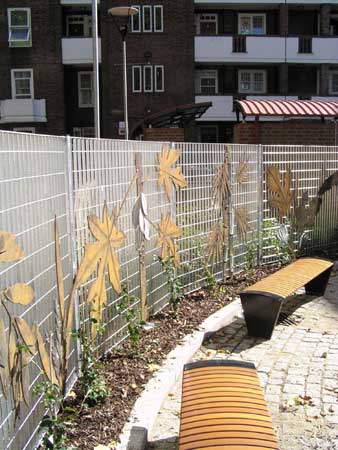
[251, 15]
[160, 30]
[18, 42]
[150, 8]
[138, 17]
[155, 78]
[14, 94]
[145, 68]
[204, 74]
[139, 68]
[79, 74]
[331, 91]
[86, 19]
[251, 72]
[24, 130]
[199, 17]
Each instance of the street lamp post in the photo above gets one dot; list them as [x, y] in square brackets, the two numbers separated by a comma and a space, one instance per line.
[124, 12]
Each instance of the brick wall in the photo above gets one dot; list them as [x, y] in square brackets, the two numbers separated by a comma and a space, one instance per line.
[292, 132]
[164, 134]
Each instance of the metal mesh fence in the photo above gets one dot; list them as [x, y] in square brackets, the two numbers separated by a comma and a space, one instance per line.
[71, 178]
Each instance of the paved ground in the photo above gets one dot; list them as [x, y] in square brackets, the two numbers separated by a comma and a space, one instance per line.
[300, 360]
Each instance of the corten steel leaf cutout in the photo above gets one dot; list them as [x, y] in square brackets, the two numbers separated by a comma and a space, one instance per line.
[242, 221]
[167, 231]
[46, 362]
[306, 211]
[168, 175]
[221, 186]
[20, 293]
[10, 251]
[242, 174]
[4, 367]
[282, 197]
[26, 334]
[216, 242]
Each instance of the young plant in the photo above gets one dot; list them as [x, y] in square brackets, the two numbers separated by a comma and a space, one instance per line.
[127, 310]
[174, 285]
[92, 382]
[251, 255]
[53, 424]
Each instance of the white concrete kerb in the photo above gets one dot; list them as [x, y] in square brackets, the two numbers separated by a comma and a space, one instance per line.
[157, 389]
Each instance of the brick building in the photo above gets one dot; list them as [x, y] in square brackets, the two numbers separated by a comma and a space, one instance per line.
[178, 52]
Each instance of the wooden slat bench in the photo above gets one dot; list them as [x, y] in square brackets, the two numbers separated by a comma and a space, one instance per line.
[223, 407]
[262, 301]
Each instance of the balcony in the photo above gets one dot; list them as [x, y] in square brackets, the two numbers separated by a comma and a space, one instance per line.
[22, 111]
[222, 106]
[254, 2]
[78, 50]
[77, 2]
[266, 49]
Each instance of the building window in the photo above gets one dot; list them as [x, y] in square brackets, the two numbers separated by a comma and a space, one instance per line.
[22, 83]
[148, 78]
[136, 21]
[79, 26]
[147, 19]
[252, 81]
[137, 79]
[209, 134]
[159, 78]
[24, 130]
[158, 18]
[207, 24]
[251, 24]
[333, 83]
[85, 89]
[207, 82]
[19, 27]
[88, 132]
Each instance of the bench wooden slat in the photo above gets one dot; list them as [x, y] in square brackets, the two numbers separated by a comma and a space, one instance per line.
[291, 278]
[223, 409]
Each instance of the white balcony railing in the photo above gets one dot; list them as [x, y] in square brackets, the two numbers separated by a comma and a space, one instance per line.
[23, 110]
[269, 49]
[77, 2]
[222, 106]
[78, 50]
[254, 2]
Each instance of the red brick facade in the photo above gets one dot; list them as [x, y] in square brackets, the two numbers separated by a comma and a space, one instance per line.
[164, 134]
[291, 132]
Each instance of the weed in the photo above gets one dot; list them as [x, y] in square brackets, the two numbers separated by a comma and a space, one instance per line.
[174, 285]
[126, 308]
[251, 255]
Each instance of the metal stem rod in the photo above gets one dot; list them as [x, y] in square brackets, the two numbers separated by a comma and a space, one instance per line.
[96, 70]
[125, 83]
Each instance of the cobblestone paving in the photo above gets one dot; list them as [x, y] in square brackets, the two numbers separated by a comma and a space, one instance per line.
[301, 359]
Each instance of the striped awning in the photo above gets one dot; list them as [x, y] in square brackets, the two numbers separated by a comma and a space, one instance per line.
[294, 108]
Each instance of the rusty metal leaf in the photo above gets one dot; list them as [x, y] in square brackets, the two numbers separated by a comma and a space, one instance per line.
[59, 273]
[25, 381]
[20, 293]
[47, 365]
[282, 197]
[216, 242]
[306, 211]
[242, 174]
[167, 232]
[242, 221]
[221, 186]
[168, 175]
[9, 250]
[11, 351]
[4, 369]
[26, 334]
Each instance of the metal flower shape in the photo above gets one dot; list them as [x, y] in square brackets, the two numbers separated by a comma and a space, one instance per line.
[9, 249]
[167, 231]
[167, 173]
[282, 196]
[101, 254]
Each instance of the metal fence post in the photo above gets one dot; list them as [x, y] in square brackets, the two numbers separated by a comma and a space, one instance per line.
[231, 213]
[260, 228]
[72, 237]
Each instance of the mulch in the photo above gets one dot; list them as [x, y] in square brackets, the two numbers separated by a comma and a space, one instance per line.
[127, 372]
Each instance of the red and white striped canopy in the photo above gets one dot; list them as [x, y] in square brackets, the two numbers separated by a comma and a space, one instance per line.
[303, 108]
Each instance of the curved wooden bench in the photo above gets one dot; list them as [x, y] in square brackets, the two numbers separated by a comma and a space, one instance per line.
[262, 301]
[223, 407]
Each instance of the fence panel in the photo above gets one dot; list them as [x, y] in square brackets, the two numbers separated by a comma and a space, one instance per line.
[310, 166]
[32, 191]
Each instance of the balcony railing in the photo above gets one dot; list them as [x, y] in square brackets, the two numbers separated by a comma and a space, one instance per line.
[78, 50]
[305, 44]
[23, 110]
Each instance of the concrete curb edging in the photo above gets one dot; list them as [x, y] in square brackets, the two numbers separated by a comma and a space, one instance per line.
[135, 432]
